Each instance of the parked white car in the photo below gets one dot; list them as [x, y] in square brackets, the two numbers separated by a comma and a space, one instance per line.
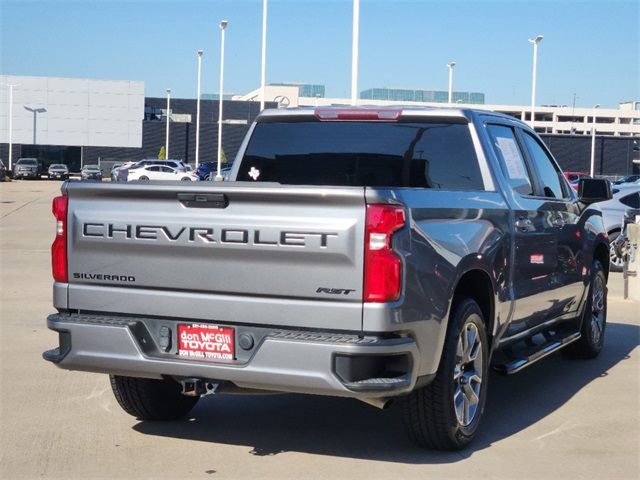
[160, 172]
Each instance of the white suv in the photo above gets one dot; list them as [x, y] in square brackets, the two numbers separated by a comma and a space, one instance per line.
[177, 164]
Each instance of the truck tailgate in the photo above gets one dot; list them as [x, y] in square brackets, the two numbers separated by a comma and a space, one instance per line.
[261, 254]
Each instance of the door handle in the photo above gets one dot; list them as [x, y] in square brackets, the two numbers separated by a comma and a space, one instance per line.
[524, 223]
[203, 200]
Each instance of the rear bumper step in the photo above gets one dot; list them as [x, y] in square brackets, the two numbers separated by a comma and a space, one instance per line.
[324, 363]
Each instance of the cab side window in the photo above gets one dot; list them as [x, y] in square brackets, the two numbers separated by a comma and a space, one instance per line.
[547, 172]
[511, 159]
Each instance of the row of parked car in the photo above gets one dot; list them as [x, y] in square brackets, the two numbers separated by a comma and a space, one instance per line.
[59, 171]
[31, 168]
[149, 169]
[152, 169]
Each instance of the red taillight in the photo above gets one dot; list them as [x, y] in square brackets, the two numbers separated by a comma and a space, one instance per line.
[382, 267]
[363, 114]
[59, 246]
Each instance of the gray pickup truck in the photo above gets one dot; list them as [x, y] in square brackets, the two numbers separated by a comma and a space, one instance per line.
[371, 253]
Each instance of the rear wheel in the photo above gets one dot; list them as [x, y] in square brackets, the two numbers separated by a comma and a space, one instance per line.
[185, 179]
[445, 414]
[144, 178]
[616, 262]
[149, 399]
[594, 318]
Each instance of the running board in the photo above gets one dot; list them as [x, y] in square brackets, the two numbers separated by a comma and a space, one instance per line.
[517, 361]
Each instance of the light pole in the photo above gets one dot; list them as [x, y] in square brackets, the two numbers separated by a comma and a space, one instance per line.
[593, 141]
[354, 52]
[534, 42]
[573, 110]
[11, 85]
[264, 54]
[223, 25]
[166, 141]
[200, 52]
[450, 65]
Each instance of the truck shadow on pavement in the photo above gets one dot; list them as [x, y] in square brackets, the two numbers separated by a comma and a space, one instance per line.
[272, 424]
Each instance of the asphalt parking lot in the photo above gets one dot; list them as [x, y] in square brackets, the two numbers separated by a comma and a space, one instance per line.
[557, 419]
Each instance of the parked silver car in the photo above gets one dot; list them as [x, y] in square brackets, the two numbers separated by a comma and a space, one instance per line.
[91, 172]
[624, 197]
[58, 171]
[27, 168]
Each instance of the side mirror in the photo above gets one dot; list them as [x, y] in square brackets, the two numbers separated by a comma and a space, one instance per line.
[592, 190]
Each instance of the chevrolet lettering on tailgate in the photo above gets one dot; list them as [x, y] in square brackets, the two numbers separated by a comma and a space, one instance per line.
[204, 234]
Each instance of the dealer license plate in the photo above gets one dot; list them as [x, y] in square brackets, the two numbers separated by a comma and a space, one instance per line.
[205, 342]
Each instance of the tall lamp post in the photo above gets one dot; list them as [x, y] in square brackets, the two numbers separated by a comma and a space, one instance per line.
[200, 53]
[223, 25]
[11, 85]
[450, 65]
[534, 42]
[264, 54]
[166, 140]
[354, 52]
[593, 141]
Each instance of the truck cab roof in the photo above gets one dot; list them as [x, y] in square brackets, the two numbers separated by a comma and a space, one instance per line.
[384, 112]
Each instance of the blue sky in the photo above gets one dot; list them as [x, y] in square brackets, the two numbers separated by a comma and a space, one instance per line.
[590, 48]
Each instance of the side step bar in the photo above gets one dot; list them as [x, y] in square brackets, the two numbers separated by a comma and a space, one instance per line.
[516, 361]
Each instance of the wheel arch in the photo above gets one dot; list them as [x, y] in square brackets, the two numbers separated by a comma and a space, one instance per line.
[601, 253]
[477, 285]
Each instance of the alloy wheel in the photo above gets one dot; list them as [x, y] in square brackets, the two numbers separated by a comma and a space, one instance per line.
[614, 258]
[467, 375]
[597, 309]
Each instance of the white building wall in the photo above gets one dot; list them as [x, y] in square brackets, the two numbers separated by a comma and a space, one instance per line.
[72, 111]
[286, 95]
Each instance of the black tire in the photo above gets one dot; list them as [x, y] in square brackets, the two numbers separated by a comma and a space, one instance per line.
[149, 399]
[430, 413]
[615, 262]
[185, 179]
[143, 178]
[207, 177]
[594, 320]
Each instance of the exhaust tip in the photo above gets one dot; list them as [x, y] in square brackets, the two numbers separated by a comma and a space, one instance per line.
[381, 403]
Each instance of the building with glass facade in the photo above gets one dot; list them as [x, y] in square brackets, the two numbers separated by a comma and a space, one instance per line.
[432, 96]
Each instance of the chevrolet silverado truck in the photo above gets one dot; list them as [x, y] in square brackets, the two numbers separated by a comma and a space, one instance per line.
[373, 253]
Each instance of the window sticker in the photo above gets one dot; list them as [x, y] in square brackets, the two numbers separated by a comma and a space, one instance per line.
[512, 158]
[254, 173]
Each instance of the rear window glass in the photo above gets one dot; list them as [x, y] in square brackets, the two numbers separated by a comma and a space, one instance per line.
[384, 154]
[632, 200]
